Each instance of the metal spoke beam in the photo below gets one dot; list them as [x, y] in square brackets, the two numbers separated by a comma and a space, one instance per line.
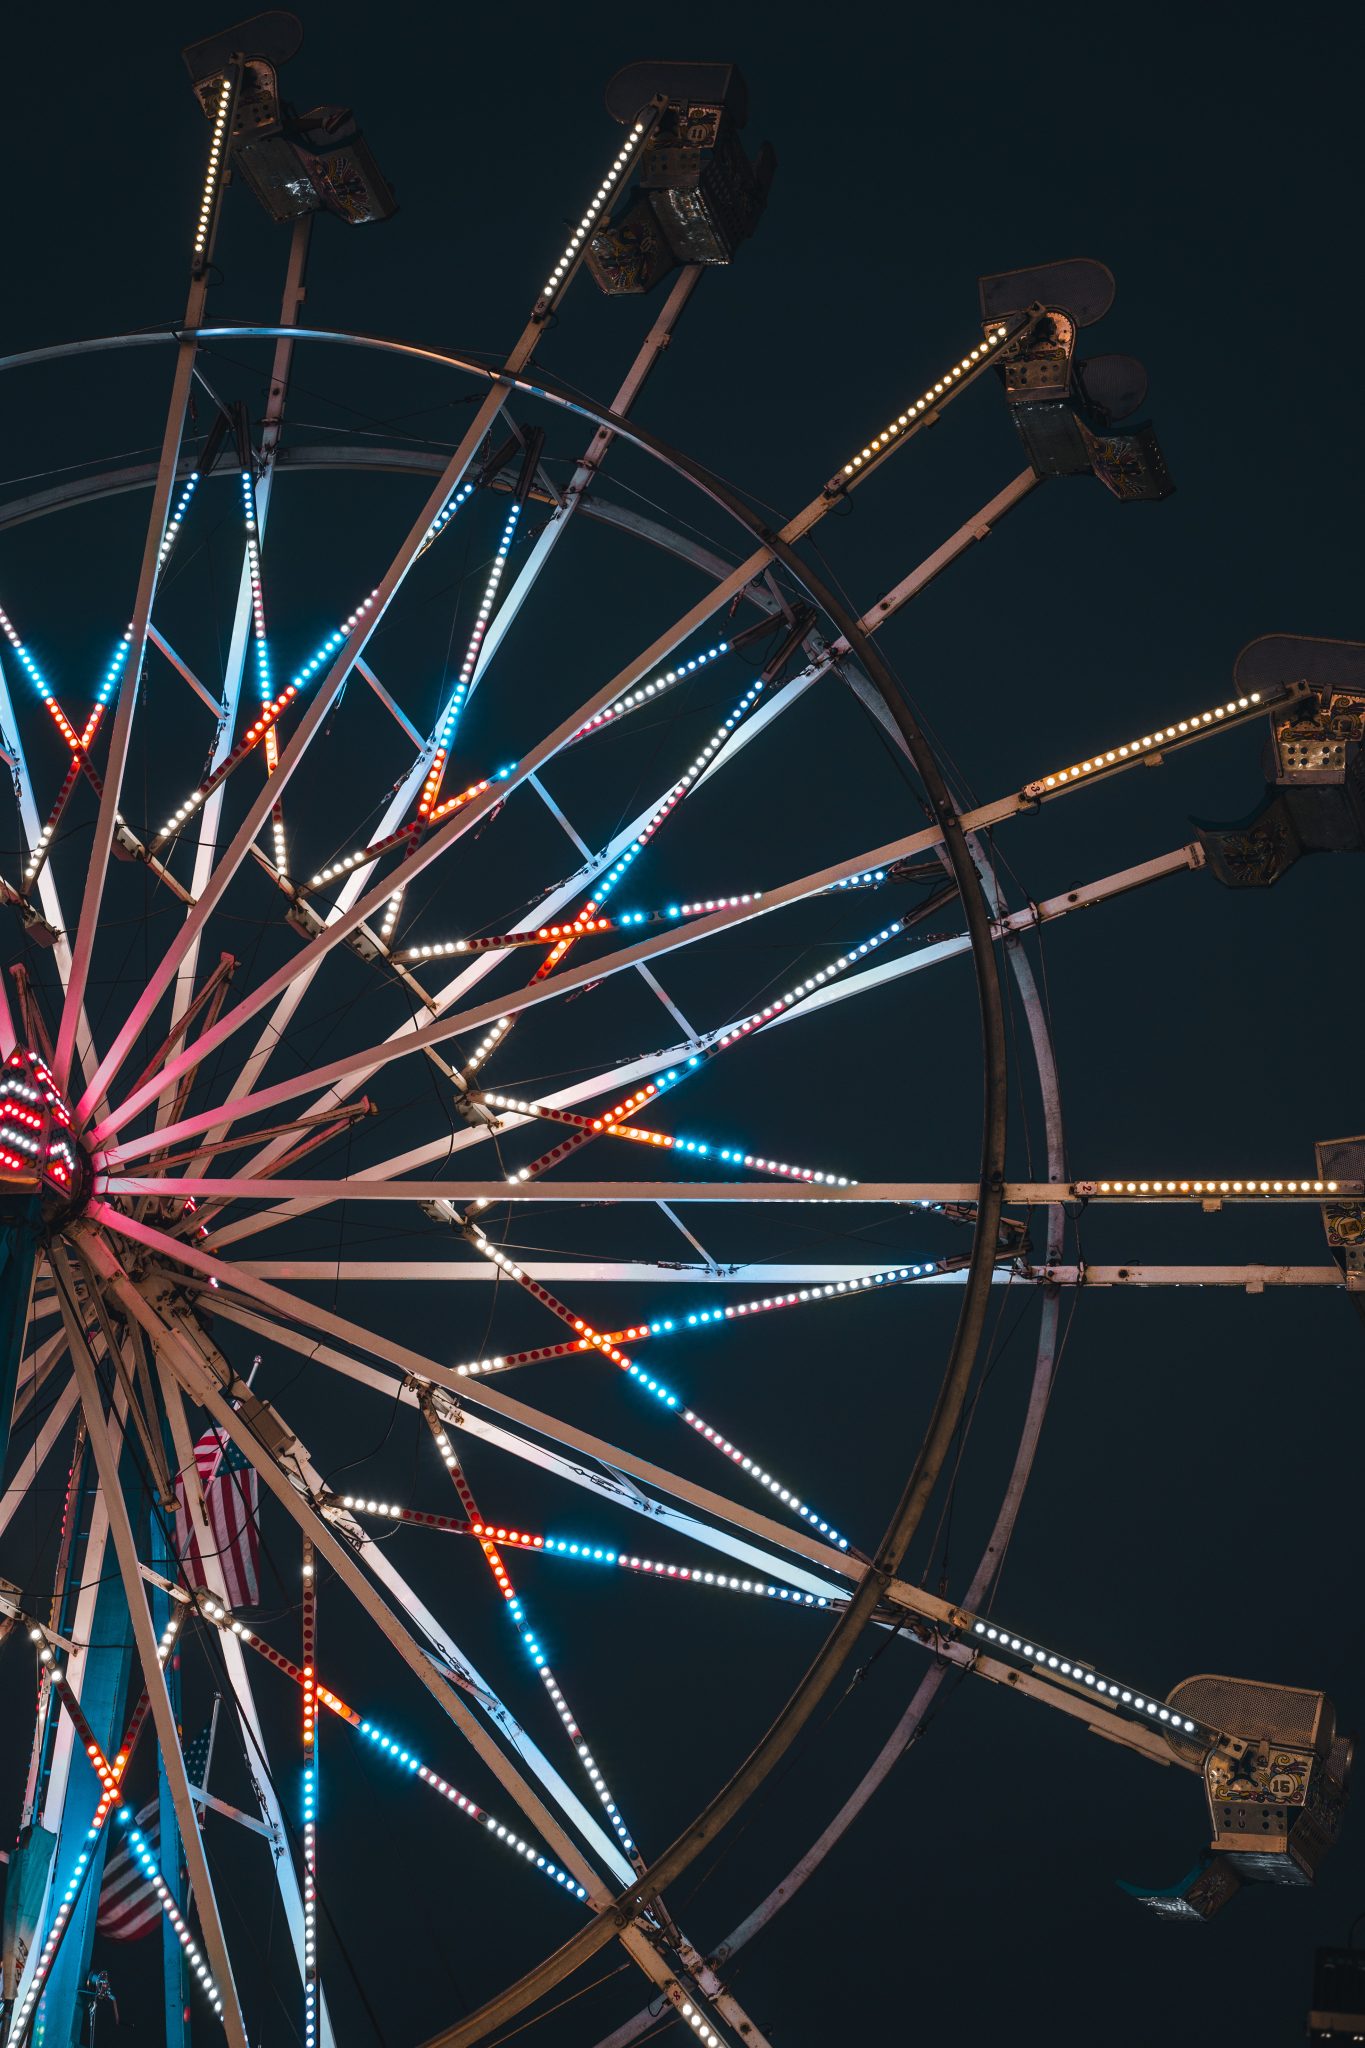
[202, 1388]
[909, 1193]
[405, 1600]
[239, 1685]
[144, 1637]
[479, 1395]
[359, 1065]
[637, 1499]
[771, 547]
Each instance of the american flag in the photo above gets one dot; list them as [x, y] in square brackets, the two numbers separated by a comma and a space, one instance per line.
[129, 1907]
[232, 1502]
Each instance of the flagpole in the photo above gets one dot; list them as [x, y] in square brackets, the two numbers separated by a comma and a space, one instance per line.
[213, 1737]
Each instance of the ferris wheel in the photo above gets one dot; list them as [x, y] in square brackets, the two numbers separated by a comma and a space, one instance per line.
[303, 938]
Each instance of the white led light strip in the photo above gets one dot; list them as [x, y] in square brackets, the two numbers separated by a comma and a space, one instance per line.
[1164, 736]
[577, 241]
[213, 174]
[262, 723]
[802, 989]
[587, 1553]
[1206, 1188]
[644, 692]
[560, 1546]
[146, 1861]
[1047, 1662]
[706, 2035]
[172, 533]
[674, 796]
[667, 1326]
[952, 379]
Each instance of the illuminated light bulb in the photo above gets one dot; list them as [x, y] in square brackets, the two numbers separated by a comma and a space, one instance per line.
[1134, 749]
[591, 215]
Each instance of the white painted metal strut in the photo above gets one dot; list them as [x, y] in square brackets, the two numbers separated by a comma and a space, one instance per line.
[476, 1394]
[462, 821]
[130, 675]
[12, 738]
[36, 1456]
[203, 1388]
[652, 348]
[1254, 1278]
[239, 1684]
[206, 843]
[909, 1193]
[153, 1676]
[641, 1498]
[407, 1602]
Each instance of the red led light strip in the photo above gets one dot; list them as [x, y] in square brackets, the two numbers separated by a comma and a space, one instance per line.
[263, 723]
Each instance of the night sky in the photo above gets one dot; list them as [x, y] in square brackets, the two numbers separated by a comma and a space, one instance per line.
[1195, 1502]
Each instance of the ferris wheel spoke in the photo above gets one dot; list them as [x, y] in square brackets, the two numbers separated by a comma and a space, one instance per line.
[125, 1549]
[587, 470]
[292, 1308]
[36, 1367]
[153, 555]
[595, 1272]
[405, 1601]
[626, 841]
[341, 926]
[602, 1477]
[205, 1547]
[203, 1388]
[226, 865]
[33, 1460]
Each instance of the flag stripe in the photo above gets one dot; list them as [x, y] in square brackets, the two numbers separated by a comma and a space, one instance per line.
[232, 1505]
[129, 1907]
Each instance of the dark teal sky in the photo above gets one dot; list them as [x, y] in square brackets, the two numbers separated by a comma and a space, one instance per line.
[1195, 1504]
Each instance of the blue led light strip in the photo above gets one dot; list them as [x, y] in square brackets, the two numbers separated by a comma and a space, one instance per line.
[388, 1746]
